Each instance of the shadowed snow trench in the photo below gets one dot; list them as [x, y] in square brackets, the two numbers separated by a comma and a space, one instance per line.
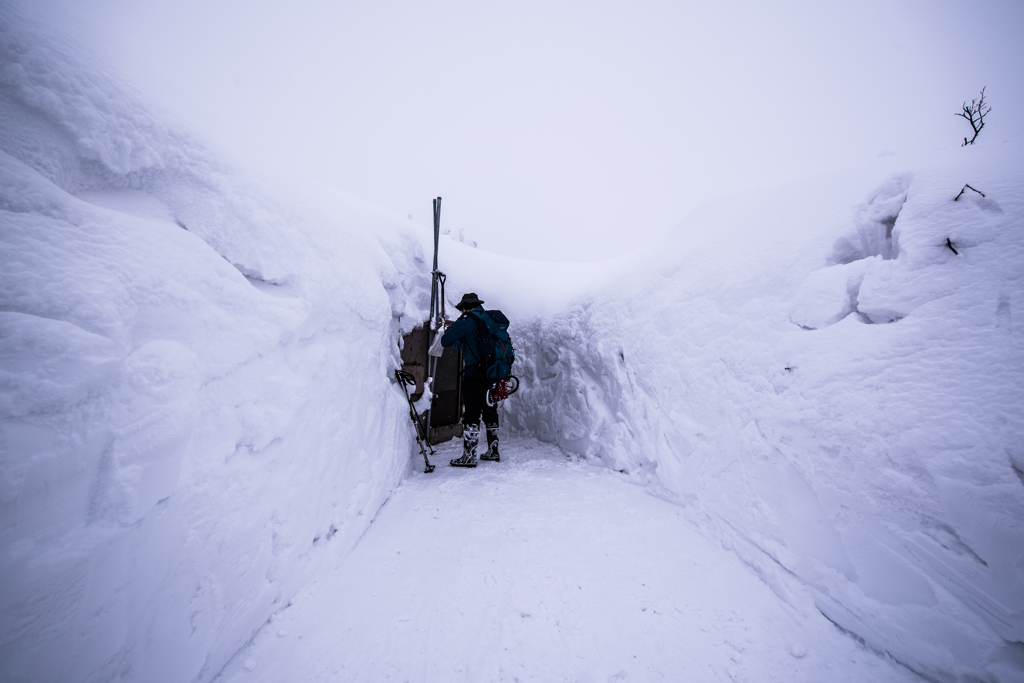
[543, 568]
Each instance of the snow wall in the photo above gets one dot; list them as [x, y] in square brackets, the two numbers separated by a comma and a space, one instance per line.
[195, 407]
[829, 390]
[197, 413]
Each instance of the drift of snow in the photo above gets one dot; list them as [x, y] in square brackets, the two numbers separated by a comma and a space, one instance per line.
[184, 366]
[540, 568]
[458, 234]
[827, 387]
[198, 415]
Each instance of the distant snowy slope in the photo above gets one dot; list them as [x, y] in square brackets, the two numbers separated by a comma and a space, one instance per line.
[195, 412]
[832, 391]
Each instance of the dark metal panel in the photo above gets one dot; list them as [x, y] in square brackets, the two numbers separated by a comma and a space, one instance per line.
[447, 408]
[442, 434]
[414, 357]
[448, 371]
[446, 412]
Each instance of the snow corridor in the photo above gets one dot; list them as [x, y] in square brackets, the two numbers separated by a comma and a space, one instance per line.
[543, 567]
[782, 443]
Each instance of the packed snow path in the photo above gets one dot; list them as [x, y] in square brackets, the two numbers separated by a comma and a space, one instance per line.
[542, 568]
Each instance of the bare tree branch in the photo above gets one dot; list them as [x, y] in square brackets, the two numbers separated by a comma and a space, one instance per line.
[964, 189]
[974, 113]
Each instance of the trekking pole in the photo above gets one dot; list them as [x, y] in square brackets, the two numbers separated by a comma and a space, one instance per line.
[435, 310]
[407, 380]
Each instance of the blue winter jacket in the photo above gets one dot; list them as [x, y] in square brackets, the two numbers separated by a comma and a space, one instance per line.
[472, 339]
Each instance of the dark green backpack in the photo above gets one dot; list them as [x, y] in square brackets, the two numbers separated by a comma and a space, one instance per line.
[493, 325]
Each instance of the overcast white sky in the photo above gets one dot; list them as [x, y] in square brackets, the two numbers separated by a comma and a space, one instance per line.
[560, 130]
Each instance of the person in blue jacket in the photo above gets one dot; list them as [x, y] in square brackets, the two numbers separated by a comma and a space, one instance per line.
[469, 335]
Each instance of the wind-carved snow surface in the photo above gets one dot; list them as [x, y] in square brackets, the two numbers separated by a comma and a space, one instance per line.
[832, 392]
[185, 435]
[197, 416]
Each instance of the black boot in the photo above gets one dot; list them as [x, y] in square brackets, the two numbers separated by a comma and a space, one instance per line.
[492, 444]
[470, 438]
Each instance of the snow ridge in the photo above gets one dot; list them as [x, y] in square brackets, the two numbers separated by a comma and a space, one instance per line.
[196, 415]
[833, 393]
[180, 357]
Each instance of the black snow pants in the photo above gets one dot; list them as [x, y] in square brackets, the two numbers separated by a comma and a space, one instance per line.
[474, 395]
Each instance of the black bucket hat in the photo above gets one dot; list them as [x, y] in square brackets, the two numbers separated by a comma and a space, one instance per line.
[469, 301]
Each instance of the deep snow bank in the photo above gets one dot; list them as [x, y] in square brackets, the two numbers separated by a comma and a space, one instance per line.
[831, 390]
[195, 412]
[544, 568]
